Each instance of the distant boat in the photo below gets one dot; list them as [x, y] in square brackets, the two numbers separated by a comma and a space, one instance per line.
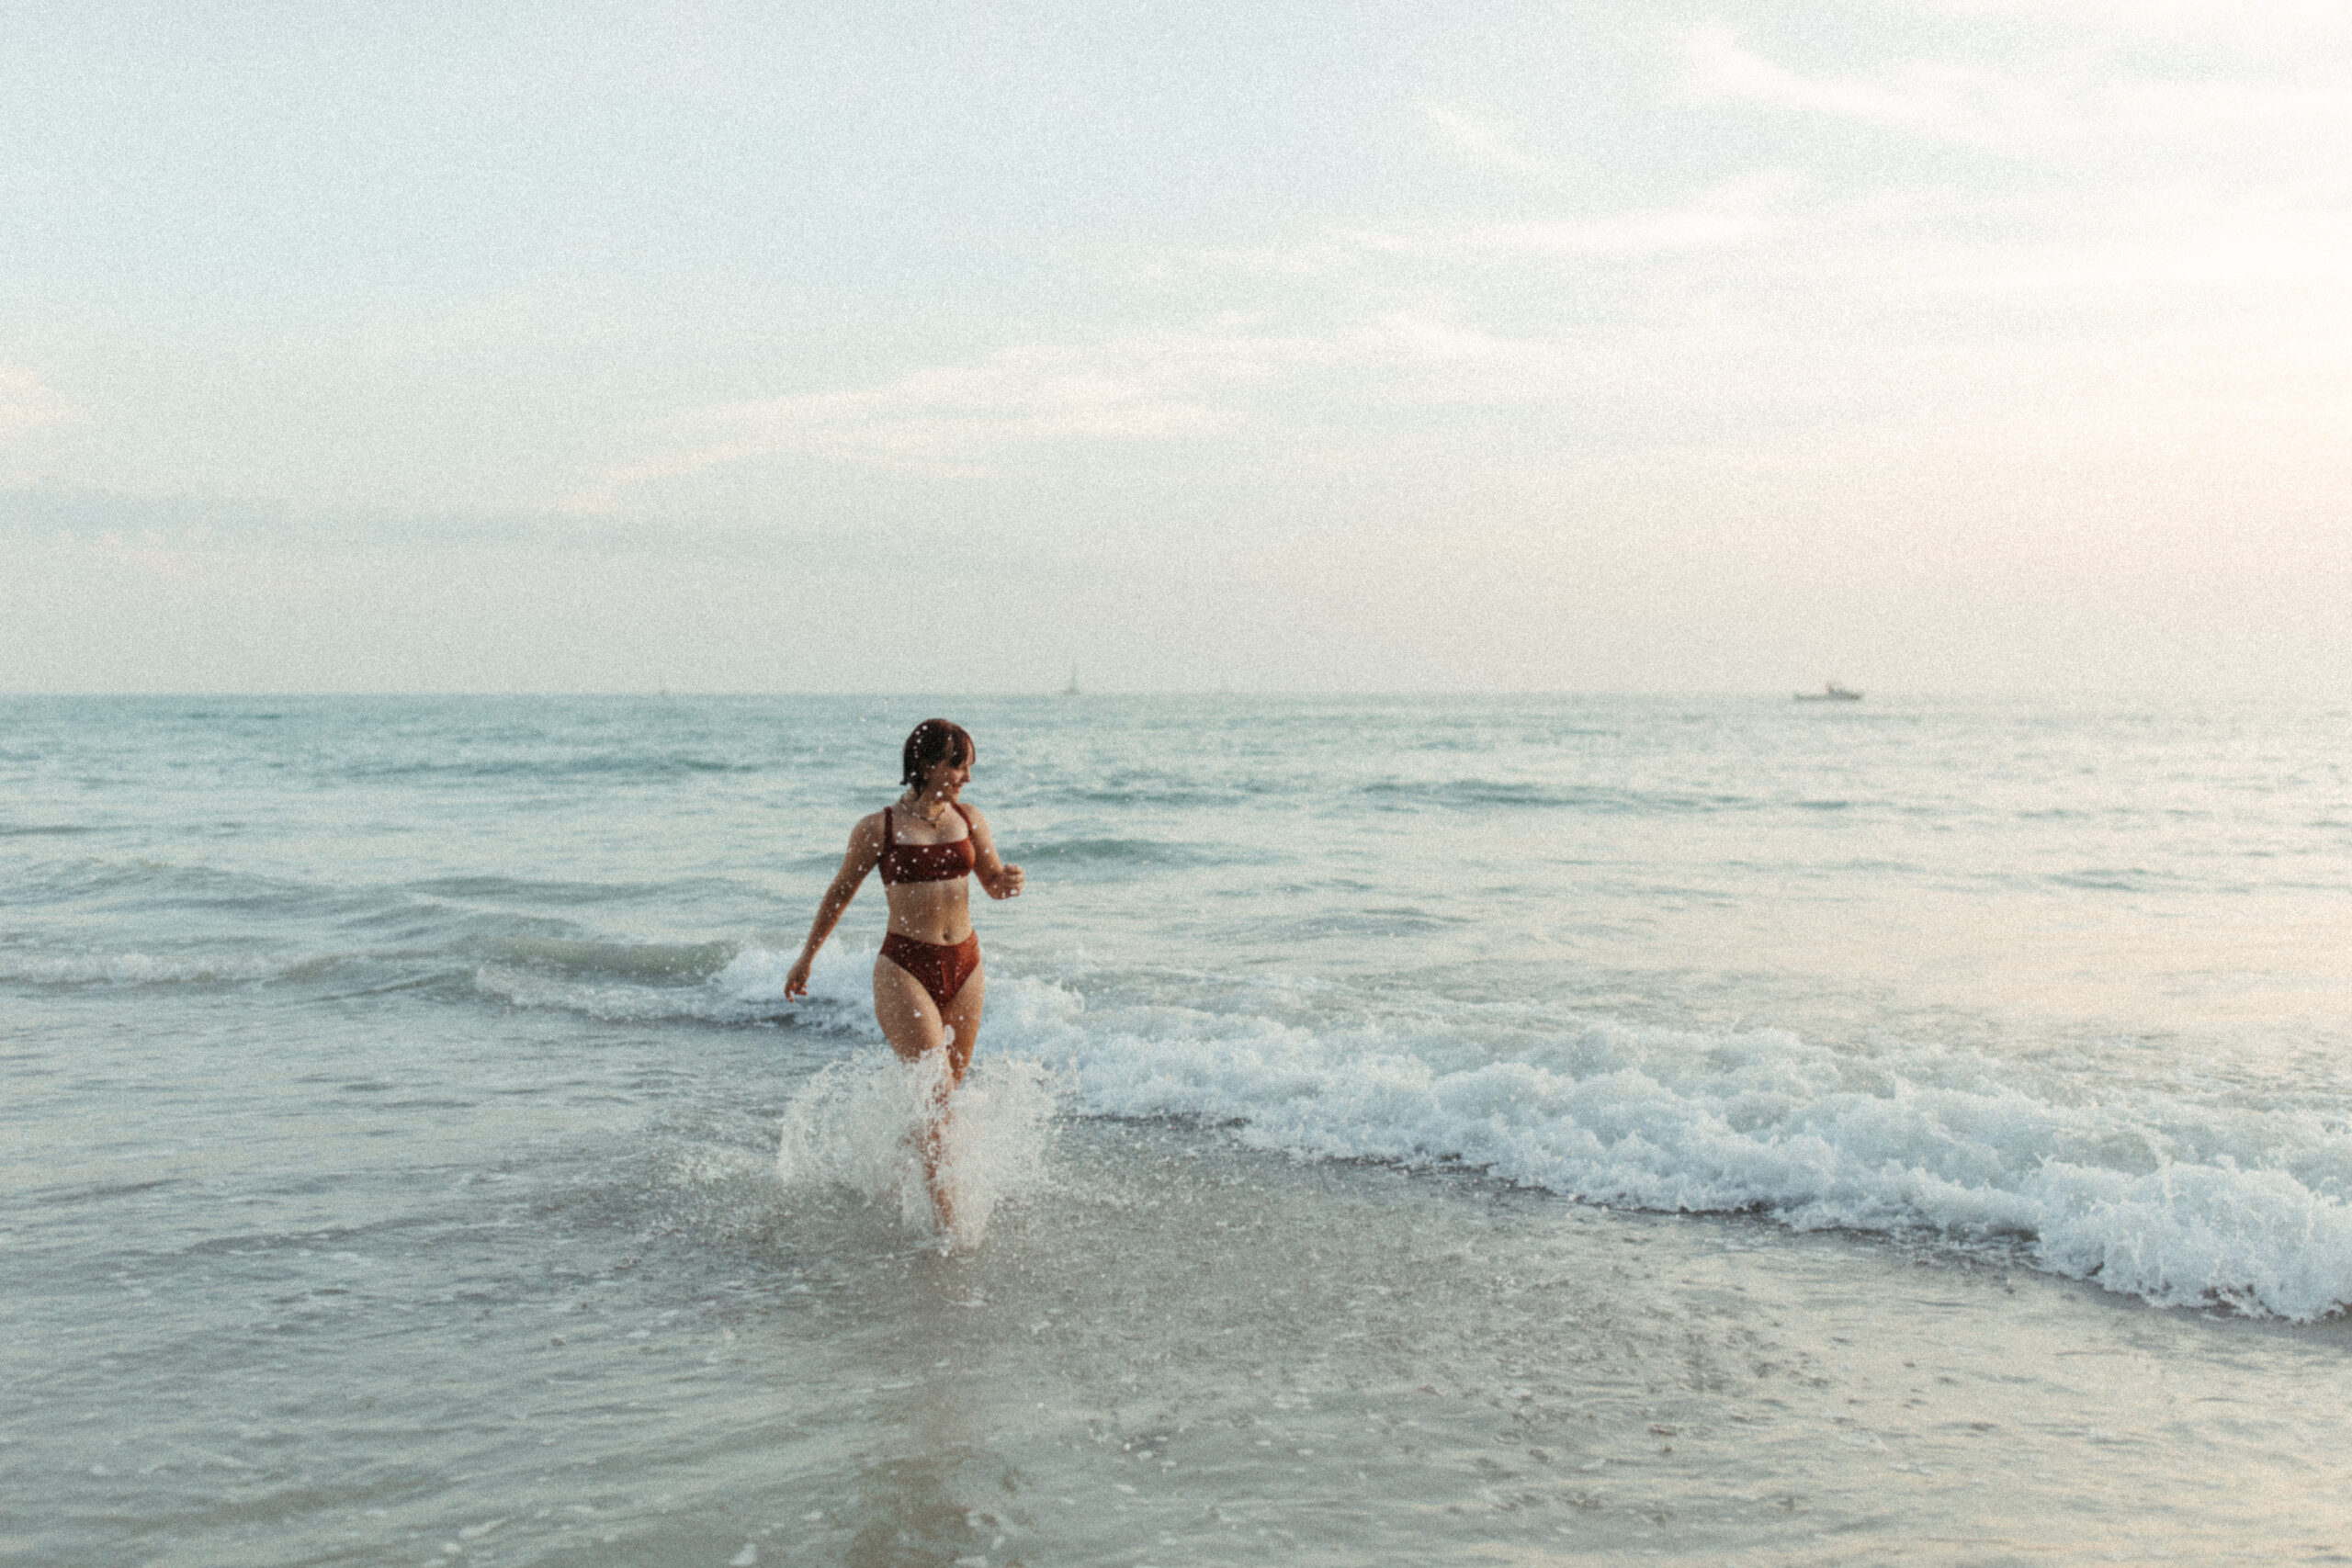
[1071, 690]
[1831, 692]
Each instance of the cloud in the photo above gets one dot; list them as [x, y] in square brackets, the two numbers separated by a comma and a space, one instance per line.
[1634, 234]
[1729, 216]
[2189, 111]
[1486, 141]
[2268, 20]
[2023, 111]
[1224, 378]
[961, 418]
[27, 401]
[1721, 69]
[1732, 215]
[2253, 255]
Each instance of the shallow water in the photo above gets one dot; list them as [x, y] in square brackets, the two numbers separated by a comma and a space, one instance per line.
[1491, 1130]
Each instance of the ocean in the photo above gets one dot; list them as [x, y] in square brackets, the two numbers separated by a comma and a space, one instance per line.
[1482, 1130]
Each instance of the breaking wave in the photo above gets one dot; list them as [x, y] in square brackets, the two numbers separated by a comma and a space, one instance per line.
[2156, 1193]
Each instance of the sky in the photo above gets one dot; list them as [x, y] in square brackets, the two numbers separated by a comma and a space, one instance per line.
[1930, 345]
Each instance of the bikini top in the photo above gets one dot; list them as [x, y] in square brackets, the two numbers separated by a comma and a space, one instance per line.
[926, 863]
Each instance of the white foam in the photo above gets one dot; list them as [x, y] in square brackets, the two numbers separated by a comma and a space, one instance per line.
[841, 984]
[132, 969]
[857, 1125]
[2178, 1201]
[747, 988]
[2163, 1195]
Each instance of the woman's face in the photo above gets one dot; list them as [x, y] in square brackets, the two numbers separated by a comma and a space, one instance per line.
[947, 776]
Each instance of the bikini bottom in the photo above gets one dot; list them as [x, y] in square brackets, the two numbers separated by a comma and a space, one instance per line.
[942, 969]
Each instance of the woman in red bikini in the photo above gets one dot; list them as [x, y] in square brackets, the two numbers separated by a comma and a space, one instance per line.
[928, 984]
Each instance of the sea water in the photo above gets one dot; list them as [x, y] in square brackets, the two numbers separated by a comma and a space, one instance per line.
[1532, 1129]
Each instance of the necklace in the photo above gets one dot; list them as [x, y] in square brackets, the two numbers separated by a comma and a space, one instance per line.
[934, 821]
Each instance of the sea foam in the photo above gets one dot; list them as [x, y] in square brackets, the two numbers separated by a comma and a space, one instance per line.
[2158, 1193]
[135, 968]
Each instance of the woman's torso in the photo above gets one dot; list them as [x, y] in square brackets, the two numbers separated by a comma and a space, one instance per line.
[926, 871]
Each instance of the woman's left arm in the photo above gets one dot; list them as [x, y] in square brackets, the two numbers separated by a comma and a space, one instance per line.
[1000, 879]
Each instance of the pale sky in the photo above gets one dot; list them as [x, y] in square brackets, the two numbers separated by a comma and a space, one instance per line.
[1981, 345]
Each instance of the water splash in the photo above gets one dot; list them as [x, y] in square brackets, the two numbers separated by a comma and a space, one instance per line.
[858, 1124]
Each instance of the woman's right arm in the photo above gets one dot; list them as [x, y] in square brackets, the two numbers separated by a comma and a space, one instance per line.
[865, 851]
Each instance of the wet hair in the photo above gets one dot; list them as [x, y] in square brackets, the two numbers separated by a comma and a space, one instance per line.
[932, 742]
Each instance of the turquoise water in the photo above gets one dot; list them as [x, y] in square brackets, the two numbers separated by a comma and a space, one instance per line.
[1716, 1127]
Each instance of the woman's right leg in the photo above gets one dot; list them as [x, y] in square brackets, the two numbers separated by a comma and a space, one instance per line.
[911, 1022]
[909, 1018]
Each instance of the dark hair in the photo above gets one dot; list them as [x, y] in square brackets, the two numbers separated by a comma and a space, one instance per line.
[932, 742]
